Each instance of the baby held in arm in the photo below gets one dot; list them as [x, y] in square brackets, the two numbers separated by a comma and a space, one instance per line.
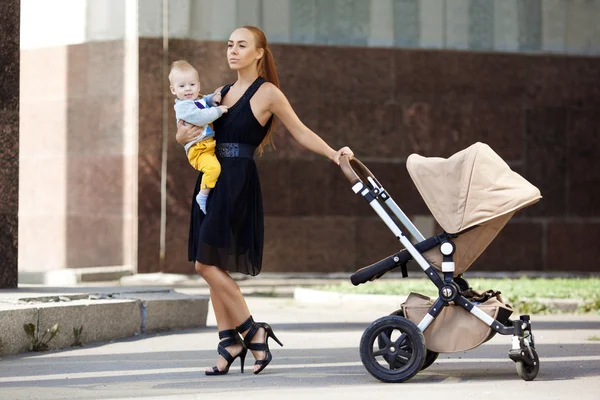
[196, 109]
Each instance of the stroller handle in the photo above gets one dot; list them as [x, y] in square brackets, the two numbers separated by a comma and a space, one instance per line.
[348, 164]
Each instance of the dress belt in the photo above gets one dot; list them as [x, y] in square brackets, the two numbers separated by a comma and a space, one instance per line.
[235, 150]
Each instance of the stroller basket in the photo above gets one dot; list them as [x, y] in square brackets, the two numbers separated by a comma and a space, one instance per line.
[472, 195]
[455, 329]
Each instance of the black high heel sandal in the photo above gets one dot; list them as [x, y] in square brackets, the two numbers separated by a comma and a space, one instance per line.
[252, 328]
[230, 337]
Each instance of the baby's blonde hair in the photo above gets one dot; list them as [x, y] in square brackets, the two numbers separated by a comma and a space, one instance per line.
[181, 65]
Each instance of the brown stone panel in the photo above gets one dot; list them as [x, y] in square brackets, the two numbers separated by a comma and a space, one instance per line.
[153, 76]
[557, 81]
[374, 241]
[518, 247]
[150, 126]
[9, 55]
[330, 244]
[443, 125]
[369, 129]
[572, 246]
[176, 237]
[149, 203]
[546, 163]
[324, 72]
[286, 146]
[94, 241]
[583, 155]
[302, 244]
[148, 183]
[148, 246]
[9, 160]
[9, 142]
[95, 125]
[9, 237]
[286, 244]
[310, 184]
[9, 193]
[294, 80]
[478, 74]
[276, 185]
[342, 200]
[95, 185]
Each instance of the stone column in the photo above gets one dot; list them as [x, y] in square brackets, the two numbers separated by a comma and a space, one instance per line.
[9, 141]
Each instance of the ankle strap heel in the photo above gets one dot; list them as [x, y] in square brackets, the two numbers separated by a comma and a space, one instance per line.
[229, 337]
[251, 328]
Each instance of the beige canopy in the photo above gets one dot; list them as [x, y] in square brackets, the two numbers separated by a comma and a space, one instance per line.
[474, 187]
[471, 187]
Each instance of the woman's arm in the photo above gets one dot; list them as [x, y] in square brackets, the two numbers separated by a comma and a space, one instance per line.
[281, 107]
[186, 132]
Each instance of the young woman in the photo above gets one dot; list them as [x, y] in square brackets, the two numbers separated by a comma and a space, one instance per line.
[230, 236]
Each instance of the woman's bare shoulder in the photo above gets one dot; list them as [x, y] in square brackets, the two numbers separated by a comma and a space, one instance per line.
[270, 93]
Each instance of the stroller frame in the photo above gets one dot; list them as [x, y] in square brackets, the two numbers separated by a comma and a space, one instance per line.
[522, 351]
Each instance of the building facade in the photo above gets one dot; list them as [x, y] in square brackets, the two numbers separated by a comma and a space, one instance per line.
[102, 181]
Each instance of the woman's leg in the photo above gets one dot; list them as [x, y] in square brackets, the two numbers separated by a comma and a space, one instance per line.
[229, 306]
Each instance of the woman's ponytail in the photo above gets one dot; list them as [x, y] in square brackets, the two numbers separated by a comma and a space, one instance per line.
[266, 69]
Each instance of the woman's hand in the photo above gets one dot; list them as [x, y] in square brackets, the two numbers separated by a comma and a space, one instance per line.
[344, 150]
[187, 132]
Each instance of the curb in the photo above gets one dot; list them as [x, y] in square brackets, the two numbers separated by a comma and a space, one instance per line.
[314, 296]
[73, 276]
[104, 316]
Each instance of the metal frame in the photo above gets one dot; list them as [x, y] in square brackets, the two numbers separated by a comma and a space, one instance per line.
[448, 290]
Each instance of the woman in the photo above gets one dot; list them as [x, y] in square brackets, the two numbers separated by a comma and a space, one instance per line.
[230, 236]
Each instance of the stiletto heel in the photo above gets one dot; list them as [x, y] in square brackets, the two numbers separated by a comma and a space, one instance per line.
[230, 338]
[269, 331]
[252, 328]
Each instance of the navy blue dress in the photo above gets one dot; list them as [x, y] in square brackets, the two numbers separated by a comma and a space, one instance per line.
[231, 234]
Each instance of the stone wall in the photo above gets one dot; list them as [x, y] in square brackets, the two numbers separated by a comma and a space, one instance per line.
[9, 141]
[535, 111]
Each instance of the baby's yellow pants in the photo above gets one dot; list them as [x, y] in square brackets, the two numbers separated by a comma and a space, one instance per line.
[202, 157]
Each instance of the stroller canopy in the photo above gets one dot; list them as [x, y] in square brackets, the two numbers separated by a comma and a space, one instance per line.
[471, 187]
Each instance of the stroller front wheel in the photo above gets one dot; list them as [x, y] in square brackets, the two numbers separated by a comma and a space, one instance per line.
[403, 352]
[528, 372]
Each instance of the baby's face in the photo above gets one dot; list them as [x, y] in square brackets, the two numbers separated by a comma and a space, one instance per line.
[185, 84]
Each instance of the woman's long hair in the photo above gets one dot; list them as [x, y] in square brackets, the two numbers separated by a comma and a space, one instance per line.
[266, 69]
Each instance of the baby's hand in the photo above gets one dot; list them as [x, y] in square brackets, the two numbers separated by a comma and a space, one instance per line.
[224, 109]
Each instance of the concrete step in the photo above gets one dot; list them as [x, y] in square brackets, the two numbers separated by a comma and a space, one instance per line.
[104, 313]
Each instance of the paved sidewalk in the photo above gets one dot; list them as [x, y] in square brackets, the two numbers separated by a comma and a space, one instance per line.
[320, 360]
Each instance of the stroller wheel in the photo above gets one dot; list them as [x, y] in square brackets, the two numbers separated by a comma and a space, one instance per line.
[528, 372]
[430, 356]
[403, 353]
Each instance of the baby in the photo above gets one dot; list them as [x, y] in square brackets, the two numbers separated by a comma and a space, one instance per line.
[199, 110]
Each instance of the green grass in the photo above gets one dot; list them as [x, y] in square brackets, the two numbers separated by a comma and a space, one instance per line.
[515, 291]
[594, 338]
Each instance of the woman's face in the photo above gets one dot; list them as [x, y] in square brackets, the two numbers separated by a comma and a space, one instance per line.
[241, 49]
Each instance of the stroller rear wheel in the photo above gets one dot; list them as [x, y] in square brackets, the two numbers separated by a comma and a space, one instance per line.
[528, 372]
[430, 356]
[402, 354]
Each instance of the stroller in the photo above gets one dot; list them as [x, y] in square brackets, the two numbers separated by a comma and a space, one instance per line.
[472, 195]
